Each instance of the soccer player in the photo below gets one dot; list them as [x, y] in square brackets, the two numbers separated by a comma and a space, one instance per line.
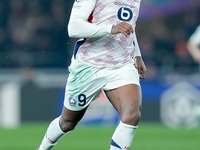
[194, 45]
[106, 58]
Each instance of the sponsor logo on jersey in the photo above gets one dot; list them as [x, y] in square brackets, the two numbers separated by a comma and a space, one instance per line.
[124, 4]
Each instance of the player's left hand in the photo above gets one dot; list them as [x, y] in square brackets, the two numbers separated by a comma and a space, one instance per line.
[140, 66]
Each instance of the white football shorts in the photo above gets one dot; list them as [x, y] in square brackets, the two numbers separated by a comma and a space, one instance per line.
[85, 82]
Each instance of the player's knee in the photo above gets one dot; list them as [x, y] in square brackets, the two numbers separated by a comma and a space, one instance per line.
[67, 125]
[132, 117]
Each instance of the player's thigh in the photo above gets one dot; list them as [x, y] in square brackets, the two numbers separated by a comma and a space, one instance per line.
[126, 99]
[83, 86]
[123, 89]
[72, 116]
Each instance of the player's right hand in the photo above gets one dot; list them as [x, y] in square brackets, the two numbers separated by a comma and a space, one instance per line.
[122, 27]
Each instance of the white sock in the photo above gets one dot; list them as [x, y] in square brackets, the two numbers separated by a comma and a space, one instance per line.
[52, 136]
[123, 136]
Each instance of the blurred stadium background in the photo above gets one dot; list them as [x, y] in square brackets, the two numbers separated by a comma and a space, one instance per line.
[35, 51]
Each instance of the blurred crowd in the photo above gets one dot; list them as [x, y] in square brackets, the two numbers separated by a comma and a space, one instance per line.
[163, 41]
[33, 33]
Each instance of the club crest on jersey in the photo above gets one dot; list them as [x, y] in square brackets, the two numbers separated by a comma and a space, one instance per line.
[72, 102]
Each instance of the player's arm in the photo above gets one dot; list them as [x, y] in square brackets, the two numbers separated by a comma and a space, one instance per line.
[193, 45]
[122, 27]
[194, 51]
[139, 64]
[137, 48]
[80, 27]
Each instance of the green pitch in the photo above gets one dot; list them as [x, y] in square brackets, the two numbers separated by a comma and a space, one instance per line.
[148, 137]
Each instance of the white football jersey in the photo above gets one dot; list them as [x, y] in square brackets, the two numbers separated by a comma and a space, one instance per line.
[195, 37]
[92, 21]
